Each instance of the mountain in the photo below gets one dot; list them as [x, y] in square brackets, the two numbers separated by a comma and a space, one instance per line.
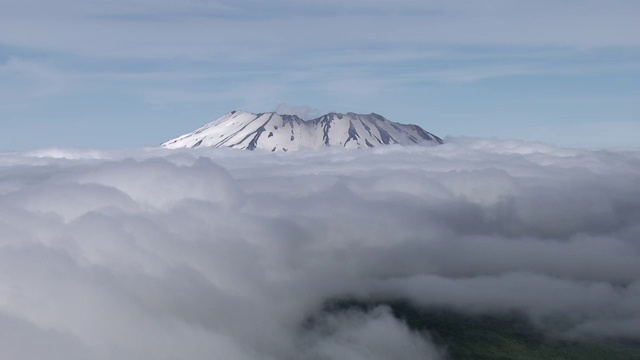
[276, 132]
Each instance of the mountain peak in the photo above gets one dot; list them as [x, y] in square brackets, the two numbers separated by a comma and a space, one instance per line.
[280, 132]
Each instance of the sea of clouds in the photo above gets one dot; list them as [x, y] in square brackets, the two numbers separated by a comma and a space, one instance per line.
[226, 254]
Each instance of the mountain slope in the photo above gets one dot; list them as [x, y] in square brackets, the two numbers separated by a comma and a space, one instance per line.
[276, 132]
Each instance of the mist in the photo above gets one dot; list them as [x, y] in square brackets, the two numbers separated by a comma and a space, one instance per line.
[221, 253]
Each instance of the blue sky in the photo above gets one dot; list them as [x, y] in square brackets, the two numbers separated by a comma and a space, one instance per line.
[109, 74]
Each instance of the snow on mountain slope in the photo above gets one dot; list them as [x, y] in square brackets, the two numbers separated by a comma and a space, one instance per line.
[276, 132]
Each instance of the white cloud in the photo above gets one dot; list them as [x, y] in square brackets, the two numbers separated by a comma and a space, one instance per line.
[202, 30]
[222, 253]
[302, 111]
[359, 336]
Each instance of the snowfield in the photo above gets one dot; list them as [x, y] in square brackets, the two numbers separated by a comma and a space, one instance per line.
[275, 132]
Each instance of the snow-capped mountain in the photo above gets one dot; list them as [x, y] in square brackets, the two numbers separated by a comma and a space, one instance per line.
[276, 132]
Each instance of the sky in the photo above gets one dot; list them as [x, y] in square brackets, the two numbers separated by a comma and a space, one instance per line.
[228, 254]
[123, 74]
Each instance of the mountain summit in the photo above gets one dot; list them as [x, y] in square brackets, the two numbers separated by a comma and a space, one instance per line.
[275, 132]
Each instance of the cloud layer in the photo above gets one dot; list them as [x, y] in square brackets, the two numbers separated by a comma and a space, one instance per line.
[226, 254]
